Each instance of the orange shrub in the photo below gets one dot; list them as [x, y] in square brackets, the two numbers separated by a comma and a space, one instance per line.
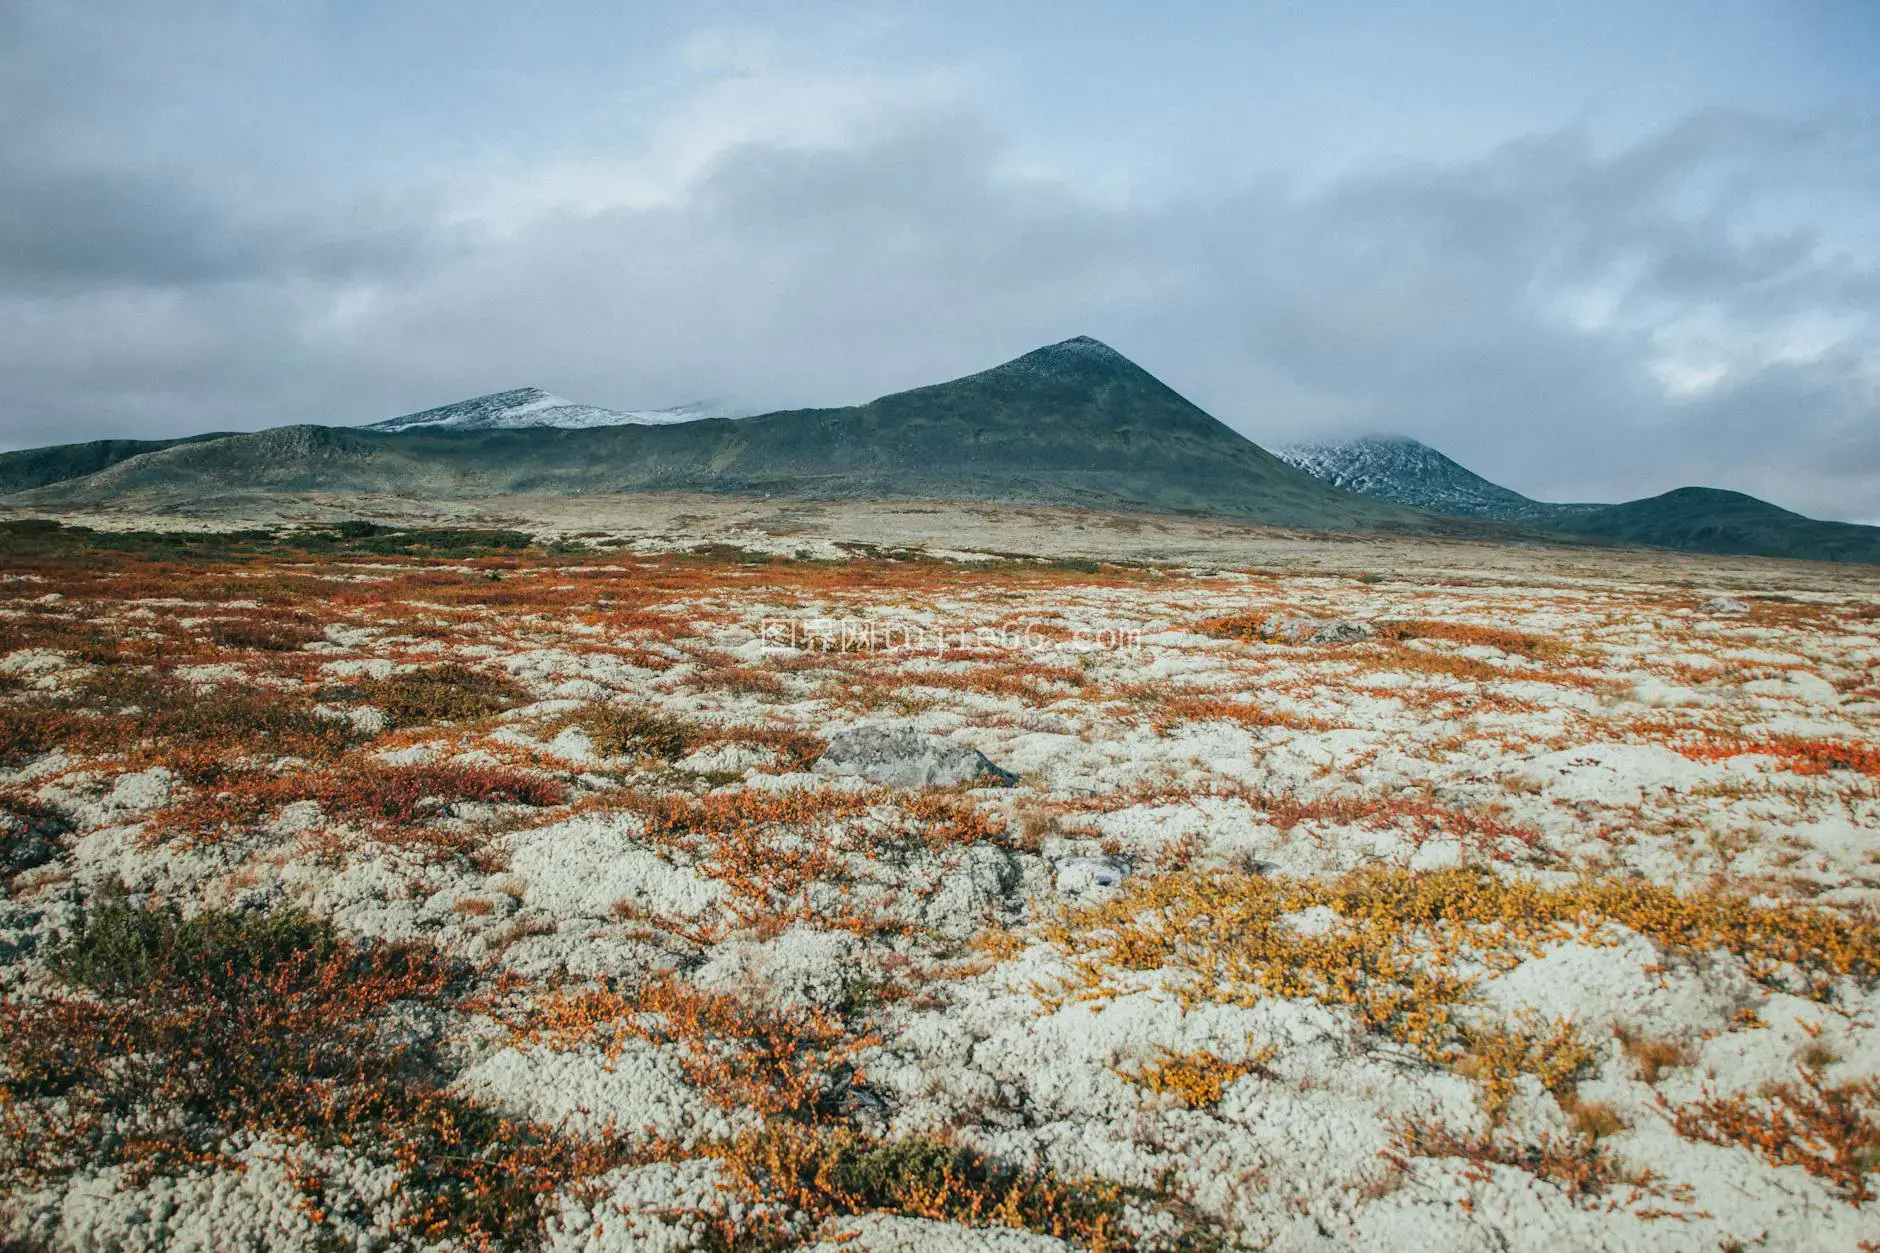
[823, 1173]
[1171, 711]
[1235, 626]
[1579, 1165]
[1519, 643]
[1832, 1132]
[738, 1055]
[1197, 1079]
[1798, 754]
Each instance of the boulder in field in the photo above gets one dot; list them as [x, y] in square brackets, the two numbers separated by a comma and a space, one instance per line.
[904, 757]
[1076, 875]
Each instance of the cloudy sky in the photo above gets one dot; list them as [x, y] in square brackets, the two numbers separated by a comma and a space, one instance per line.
[1594, 250]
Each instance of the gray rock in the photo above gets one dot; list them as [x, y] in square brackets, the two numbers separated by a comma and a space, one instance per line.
[1080, 874]
[904, 757]
[25, 852]
[1317, 631]
[1723, 604]
[30, 838]
[1343, 631]
[850, 1097]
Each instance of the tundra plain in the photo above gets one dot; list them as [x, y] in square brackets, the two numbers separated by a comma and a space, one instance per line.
[459, 888]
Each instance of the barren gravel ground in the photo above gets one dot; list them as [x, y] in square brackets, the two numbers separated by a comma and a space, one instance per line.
[1353, 893]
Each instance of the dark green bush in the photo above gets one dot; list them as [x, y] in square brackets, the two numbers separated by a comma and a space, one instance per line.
[119, 949]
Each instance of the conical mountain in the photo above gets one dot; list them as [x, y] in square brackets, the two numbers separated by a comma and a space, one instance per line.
[1075, 422]
[1072, 423]
[1080, 390]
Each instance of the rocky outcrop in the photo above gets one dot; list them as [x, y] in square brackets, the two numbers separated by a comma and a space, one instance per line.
[905, 757]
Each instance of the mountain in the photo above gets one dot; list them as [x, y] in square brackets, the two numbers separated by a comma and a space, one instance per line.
[1073, 423]
[1712, 520]
[531, 406]
[1401, 469]
[512, 410]
[1694, 519]
[35, 467]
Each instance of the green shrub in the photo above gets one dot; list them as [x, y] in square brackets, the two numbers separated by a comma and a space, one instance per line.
[119, 949]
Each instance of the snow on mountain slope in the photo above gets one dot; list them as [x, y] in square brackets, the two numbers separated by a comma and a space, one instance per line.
[1400, 469]
[533, 407]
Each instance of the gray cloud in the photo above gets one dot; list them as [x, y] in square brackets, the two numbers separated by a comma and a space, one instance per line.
[1433, 300]
[76, 230]
[1533, 311]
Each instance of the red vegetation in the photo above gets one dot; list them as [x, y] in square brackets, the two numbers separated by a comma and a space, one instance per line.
[377, 796]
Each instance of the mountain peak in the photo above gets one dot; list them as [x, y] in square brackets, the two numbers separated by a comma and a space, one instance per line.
[1079, 359]
[1084, 344]
[1080, 350]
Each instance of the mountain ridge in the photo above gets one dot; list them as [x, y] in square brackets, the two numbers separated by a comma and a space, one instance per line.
[1070, 423]
[528, 407]
[1407, 471]
[28, 468]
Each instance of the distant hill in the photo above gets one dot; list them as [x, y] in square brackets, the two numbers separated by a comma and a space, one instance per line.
[1711, 520]
[533, 407]
[35, 467]
[1073, 423]
[520, 409]
[1695, 519]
